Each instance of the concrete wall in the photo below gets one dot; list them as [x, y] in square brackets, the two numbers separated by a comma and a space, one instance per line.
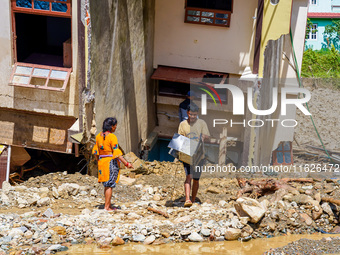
[29, 99]
[298, 23]
[279, 71]
[121, 67]
[276, 22]
[6, 92]
[203, 47]
[335, 5]
[322, 6]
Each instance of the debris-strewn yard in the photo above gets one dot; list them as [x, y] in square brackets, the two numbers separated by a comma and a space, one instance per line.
[50, 212]
[56, 210]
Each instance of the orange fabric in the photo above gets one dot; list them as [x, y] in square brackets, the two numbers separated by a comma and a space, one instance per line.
[107, 145]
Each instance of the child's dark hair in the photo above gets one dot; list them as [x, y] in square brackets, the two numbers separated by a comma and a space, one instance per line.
[109, 123]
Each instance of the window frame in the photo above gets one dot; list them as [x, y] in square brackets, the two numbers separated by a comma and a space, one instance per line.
[214, 18]
[313, 2]
[309, 35]
[48, 77]
[32, 10]
[314, 28]
[290, 151]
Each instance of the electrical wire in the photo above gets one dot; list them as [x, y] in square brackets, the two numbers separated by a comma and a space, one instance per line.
[300, 85]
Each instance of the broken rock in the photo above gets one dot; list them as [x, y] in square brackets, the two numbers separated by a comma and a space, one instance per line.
[316, 214]
[306, 219]
[326, 208]
[213, 189]
[6, 187]
[194, 237]
[126, 180]
[73, 188]
[59, 230]
[149, 240]
[117, 241]
[246, 206]
[232, 234]
[55, 192]
[44, 201]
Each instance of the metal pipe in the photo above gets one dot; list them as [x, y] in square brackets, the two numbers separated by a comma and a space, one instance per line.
[9, 150]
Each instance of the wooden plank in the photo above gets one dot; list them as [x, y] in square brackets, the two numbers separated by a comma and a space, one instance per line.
[6, 132]
[28, 129]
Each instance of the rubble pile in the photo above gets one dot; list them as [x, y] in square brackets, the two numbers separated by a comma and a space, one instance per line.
[156, 167]
[46, 228]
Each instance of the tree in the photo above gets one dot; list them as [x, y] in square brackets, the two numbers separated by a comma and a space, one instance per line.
[332, 32]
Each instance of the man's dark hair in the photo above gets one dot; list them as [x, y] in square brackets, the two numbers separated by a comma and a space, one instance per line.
[109, 123]
[192, 107]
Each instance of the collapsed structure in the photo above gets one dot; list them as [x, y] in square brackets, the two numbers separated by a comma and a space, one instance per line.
[69, 64]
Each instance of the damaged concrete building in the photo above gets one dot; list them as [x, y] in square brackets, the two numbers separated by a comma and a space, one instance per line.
[153, 49]
[67, 65]
[42, 77]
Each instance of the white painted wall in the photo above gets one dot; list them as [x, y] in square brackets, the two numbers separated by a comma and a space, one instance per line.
[204, 47]
[5, 54]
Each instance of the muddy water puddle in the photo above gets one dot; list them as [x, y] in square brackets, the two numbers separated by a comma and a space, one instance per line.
[253, 247]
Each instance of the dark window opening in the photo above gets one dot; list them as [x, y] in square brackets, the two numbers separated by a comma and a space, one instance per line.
[209, 12]
[225, 5]
[42, 39]
[178, 89]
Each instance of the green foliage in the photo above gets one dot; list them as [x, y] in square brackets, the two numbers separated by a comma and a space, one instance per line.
[333, 30]
[322, 64]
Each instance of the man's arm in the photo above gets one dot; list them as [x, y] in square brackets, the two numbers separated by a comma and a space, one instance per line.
[180, 129]
[205, 131]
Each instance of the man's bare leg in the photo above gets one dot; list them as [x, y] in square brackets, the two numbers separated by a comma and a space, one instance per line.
[195, 186]
[187, 188]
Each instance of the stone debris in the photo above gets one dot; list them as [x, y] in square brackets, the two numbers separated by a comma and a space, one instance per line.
[194, 237]
[149, 239]
[232, 234]
[221, 216]
[246, 206]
